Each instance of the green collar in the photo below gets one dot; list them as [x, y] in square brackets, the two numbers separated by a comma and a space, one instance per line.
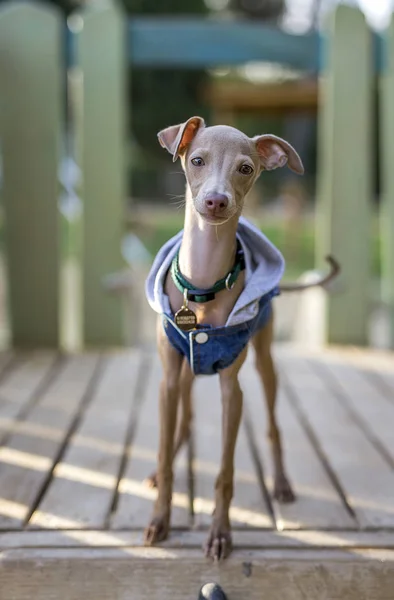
[201, 296]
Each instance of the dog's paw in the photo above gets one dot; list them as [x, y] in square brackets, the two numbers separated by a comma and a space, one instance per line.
[283, 492]
[157, 530]
[219, 543]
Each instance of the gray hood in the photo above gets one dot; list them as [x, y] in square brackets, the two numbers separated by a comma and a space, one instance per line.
[264, 270]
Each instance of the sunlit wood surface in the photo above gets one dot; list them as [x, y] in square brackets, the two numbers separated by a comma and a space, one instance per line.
[78, 436]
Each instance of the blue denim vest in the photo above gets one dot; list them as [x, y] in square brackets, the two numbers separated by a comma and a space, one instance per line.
[210, 349]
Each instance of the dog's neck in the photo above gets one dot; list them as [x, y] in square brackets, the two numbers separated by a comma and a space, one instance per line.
[207, 251]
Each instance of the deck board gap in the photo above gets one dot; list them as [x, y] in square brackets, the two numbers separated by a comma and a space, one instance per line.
[378, 380]
[84, 403]
[138, 399]
[191, 456]
[46, 381]
[8, 364]
[332, 383]
[258, 463]
[304, 421]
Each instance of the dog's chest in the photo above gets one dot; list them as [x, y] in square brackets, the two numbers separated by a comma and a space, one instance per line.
[215, 312]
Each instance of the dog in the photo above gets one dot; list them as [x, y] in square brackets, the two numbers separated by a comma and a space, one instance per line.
[213, 286]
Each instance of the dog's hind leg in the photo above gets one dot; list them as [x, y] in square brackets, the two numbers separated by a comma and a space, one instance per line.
[186, 413]
[262, 344]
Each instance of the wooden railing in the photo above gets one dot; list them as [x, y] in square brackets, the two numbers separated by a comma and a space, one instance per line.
[33, 79]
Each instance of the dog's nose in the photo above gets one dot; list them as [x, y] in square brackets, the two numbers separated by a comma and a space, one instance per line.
[216, 203]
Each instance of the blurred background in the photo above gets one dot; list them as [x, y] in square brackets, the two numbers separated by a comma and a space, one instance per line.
[255, 95]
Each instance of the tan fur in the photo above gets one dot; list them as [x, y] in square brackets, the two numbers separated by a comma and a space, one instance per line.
[206, 255]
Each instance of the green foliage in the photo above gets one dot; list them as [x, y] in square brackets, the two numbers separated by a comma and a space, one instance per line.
[162, 97]
[165, 7]
[265, 10]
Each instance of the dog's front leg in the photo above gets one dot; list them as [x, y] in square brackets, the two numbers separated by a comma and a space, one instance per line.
[219, 541]
[158, 527]
[183, 434]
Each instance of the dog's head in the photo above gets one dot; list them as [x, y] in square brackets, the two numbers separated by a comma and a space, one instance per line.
[221, 164]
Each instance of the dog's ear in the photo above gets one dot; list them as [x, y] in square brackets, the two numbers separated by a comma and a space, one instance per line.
[177, 137]
[275, 152]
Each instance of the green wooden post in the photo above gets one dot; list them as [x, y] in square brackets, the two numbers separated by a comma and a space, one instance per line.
[72, 234]
[101, 56]
[345, 173]
[387, 178]
[30, 123]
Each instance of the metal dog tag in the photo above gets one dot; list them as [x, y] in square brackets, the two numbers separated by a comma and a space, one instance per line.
[185, 318]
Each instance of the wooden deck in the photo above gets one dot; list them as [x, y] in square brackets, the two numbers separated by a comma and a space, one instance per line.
[78, 436]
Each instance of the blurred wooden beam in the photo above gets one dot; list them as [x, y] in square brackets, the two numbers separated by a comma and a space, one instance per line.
[195, 43]
[243, 96]
[205, 43]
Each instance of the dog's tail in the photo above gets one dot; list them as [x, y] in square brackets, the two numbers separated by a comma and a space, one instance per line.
[299, 287]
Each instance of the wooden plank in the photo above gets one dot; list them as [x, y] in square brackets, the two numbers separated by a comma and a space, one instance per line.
[365, 478]
[196, 43]
[344, 199]
[387, 178]
[5, 362]
[376, 366]
[176, 574]
[248, 507]
[84, 481]
[385, 381]
[103, 165]
[359, 356]
[318, 504]
[135, 502]
[373, 358]
[369, 406]
[30, 123]
[368, 359]
[20, 385]
[27, 457]
[177, 42]
[25, 376]
[243, 539]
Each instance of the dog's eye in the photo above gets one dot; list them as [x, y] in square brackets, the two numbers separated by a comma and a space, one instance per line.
[246, 170]
[198, 162]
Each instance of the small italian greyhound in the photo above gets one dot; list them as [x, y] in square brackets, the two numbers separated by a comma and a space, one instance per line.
[213, 291]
